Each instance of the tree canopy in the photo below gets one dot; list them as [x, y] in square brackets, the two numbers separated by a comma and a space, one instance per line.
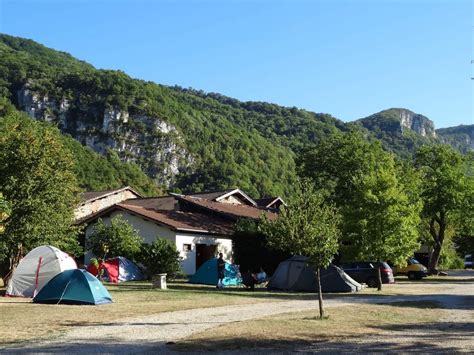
[446, 193]
[117, 238]
[380, 217]
[38, 182]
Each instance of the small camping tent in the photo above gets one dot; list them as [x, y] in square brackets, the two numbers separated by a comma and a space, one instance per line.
[35, 270]
[121, 269]
[74, 287]
[207, 274]
[294, 274]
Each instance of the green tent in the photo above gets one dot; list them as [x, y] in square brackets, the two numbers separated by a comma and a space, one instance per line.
[74, 287]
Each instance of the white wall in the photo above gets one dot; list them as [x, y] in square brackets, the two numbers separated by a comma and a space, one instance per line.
[149, 231]
[188, 263]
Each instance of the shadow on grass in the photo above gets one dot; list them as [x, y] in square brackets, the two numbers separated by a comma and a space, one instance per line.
[435, 280]
[452, 330]
[86, 346]
[326, 345]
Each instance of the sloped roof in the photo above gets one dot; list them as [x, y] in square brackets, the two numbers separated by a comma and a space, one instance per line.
[95, 195]
[210, 195]
[230, 210]
[267, 202]
[183, 221]
[163, 203]
[220, 195]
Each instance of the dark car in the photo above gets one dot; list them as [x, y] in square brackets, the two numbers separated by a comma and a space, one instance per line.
[366, 272]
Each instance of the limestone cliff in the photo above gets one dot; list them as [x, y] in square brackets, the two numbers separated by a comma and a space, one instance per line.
[400, 120]
[151, 142]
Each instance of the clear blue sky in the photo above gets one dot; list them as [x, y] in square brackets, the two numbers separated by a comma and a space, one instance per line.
[346, 58]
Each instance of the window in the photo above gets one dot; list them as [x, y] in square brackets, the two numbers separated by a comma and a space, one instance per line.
[186, 247]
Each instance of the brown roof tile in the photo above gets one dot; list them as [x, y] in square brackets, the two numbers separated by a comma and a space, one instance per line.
[164, 203]
[231, 210]
[183, 221]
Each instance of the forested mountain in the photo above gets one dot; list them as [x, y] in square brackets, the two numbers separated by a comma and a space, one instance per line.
[183, 139]
[403, 131]
[460, 137]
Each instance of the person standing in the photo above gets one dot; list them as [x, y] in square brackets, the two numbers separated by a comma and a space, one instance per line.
[220, 271]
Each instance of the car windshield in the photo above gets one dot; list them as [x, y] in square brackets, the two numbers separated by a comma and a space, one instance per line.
[468, 258]
[413, 261]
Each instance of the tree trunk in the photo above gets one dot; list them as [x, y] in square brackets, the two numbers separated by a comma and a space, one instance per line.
[438, 236]
[379, 277]
[320, 293]
[433, 263]
[13, 263]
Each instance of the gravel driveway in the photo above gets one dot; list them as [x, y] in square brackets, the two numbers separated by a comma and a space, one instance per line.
[151, 333]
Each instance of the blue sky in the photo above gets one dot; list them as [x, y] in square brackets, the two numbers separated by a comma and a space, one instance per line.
[346, 58]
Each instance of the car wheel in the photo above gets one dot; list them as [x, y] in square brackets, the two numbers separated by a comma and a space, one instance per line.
[372, 282]
[411, 276]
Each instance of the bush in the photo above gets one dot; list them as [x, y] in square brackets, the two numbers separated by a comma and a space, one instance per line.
[117, 239]
[449, 259]
[161, 257]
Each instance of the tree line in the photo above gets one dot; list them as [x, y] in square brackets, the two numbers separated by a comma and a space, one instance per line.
[355, 201]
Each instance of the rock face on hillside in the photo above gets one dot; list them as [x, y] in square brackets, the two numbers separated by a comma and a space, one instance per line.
[399, 120]
[151, 142]
[418, 123]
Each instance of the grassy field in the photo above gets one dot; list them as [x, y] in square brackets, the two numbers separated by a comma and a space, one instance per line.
[22, 320]
[289, 330]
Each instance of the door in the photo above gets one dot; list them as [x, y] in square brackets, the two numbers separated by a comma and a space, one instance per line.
[204, 252]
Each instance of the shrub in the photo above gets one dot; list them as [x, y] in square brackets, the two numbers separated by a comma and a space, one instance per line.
[449, 259]
[161, 257]
[117, 239]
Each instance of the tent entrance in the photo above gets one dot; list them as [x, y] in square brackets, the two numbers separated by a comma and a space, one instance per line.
[204, 252]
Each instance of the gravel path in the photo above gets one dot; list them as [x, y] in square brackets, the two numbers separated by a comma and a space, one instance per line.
[150, 334]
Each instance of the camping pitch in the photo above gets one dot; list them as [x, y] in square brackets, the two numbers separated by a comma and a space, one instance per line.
[207, 274]
[295, 275]
[74, 287]
[35, 270]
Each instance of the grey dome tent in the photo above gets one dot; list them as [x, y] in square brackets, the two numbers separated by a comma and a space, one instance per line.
[294, 274]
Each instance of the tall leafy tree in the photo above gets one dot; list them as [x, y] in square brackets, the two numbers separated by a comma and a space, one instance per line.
[447, 190]
[308, 226]
[37, 180]
[379, 214]
[335, 161]
[382, 220]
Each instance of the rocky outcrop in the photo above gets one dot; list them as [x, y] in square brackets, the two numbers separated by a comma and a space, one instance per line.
[399, 120]
[151, 142]
[418, 123]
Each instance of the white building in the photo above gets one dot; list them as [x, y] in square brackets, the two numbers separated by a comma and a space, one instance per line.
[201, 225]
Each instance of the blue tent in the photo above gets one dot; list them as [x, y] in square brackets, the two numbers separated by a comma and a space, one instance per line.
[74, 287]
[207, 274]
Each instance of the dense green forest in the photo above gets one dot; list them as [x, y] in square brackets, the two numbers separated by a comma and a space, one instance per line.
[184, 139]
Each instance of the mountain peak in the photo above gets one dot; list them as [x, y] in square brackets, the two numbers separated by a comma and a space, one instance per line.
[401, 119]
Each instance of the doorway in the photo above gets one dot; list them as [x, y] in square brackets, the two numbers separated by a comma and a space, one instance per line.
[204, 252]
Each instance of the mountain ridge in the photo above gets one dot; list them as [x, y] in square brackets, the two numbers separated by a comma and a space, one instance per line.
[186, 139]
